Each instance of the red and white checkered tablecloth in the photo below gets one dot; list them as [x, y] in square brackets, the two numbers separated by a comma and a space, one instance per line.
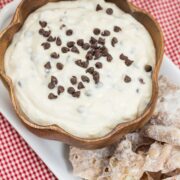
[18, 160]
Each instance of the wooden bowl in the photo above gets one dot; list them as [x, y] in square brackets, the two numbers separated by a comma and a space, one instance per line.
[54, 132]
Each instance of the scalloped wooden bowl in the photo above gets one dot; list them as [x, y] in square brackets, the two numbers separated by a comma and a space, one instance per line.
[55, 132]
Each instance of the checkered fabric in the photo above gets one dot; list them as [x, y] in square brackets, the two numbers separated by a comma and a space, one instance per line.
[18, 160]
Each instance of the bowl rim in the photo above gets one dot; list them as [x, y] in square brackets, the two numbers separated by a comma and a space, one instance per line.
[57, 130]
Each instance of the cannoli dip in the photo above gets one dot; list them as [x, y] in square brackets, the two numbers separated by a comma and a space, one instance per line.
[82, 65]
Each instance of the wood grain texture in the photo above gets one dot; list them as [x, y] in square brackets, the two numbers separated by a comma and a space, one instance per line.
[54, 132]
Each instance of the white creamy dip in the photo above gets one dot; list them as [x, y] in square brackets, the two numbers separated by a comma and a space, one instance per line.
[120, 93]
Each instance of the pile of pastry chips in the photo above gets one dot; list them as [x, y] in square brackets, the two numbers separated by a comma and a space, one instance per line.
[152, 153]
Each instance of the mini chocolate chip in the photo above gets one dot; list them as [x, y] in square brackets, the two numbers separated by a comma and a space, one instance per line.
[58, 41]
[59, 66]
[101, 41]
[85, 79]
[141, 81]
[54, 80]
[60, 90]
[123, 57]
[52, 96]
[148, 68]
[96, 77]
[71, 90]
[93, 40]
[105, 33]
[94, 46]
[54, 55]
[109, 58]
[70, 44]
[117, 29]
[96, 31]
[47, 65]
[51, 39]
[51, 85]
[114, 41]
[98, 7]
[90, 70]
[46, 45]
[127, 79]
[83, 64]
[128, 62]
[80, 42]
[73, 80]
[104, 51]
[97, 54]
[89, 56]
[86, 46]
[76, 94]
[99, 65]
[75, 49]
[64, 49]
[81, 85]
[69, 32]
[41, 31]
[62, 26]
[43, 24]
[46, 33]
[109, 11]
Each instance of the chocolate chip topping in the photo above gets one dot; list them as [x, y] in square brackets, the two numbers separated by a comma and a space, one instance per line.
[51, 85]
[60, 90]
[101, 41]
[96, 31]
[59, 66]
[93, 40]
[109, 11]
[69, 32]
[47, 65]
[105, 33]
[71, 90]
[51, 39]
[89, 56]
[41, 31]
[98, 54]
[123, 57]
[54, 55]
[58, 42]
[46, 33]
[85, 79]
[43, 24]
[64, 49]
[86, 46]
[54, 80]
[73, 80]
[70, 44]
[117, 29]
[148, 68]
[109, 58]
[90, 70]
[83, 64]
[127, 79]
[114, 41]
[80, 42]
[46, 45]
[76, 94]
[74, 49]
[98, 7]
[52, 96]
[128, 62]
[96, 77]
[81, 85]
[99, 65]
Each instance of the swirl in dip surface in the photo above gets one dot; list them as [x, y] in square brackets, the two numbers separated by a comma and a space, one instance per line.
[84, 65]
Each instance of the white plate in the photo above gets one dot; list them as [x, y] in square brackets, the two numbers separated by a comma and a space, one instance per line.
[54, 154]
